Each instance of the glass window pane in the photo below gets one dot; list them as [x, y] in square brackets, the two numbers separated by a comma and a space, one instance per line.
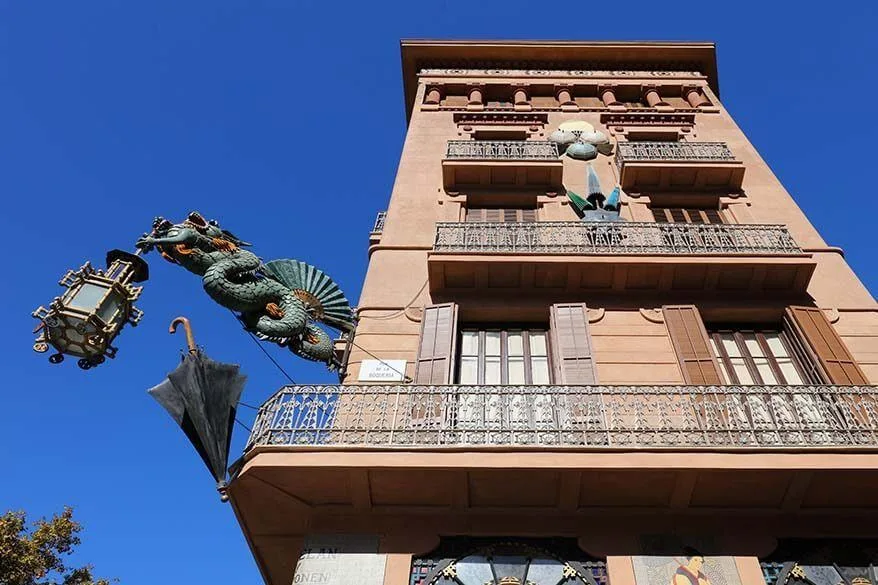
[469, 343]
[765, 371]
[469, 370]
[492, 343]
[752, 344]
[516, 370]
[730, 345]
[720, 360]
[514, 343]
[775, 345]
[539, 370]
[789, 371]
[87, 297]
[492, 370]
[744, 376]
[538, 343]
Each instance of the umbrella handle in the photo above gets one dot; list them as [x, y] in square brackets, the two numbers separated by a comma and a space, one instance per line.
[190, 339]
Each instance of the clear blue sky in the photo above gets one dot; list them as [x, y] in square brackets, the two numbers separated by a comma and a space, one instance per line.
[114, 112]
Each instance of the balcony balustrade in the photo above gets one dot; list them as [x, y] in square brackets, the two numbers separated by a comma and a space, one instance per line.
[378, 227]
[504, 163]
[501, 150]
[673, 165]
[563, 237]
[601, 417]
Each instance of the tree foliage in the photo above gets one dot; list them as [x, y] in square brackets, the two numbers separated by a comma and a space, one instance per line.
[35, 555]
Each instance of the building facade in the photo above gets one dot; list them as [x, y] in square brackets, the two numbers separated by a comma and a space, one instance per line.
[598, 342]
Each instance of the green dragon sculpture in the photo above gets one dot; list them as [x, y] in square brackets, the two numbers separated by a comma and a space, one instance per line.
[279, 301]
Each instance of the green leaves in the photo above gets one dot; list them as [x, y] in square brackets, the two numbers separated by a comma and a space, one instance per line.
[35, 556]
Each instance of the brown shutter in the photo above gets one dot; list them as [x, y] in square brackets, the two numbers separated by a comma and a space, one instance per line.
[528, 215]
[493, 215]
[838, 364]
[436, 349]
[691, 344]
[571, 344]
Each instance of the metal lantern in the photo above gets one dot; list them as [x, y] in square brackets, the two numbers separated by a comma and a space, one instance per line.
[84, 320]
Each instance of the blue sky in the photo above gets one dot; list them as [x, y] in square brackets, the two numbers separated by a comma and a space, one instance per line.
[114, 112]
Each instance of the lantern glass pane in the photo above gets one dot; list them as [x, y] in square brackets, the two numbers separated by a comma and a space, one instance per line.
[110, 311]
[87, 297]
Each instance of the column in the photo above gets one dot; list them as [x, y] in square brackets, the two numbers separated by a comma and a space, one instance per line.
[652, 97]
[520, 99]
[694, 96]
[564, 94]
[476, 98]
[433, 95]
[608, 96]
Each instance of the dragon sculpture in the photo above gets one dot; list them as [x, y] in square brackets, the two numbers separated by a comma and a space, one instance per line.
[279, 301]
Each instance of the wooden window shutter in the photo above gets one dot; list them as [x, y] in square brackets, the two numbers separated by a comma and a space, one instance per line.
[493, 215]
[528, 215]
[691, 345]
[571, 344]
[837, 362]
[436, 349]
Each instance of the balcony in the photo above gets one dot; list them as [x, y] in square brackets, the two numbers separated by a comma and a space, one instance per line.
[612, 256]
[600, 417]
[352, 455]
[501, 163]
[678, 165]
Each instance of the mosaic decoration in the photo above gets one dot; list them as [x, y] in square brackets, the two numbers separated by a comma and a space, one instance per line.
[485, 561]
[823, 562]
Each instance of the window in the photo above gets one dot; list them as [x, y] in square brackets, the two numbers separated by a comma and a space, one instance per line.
[768, 356]
[496, 356]
[500, 214]
[686, 215]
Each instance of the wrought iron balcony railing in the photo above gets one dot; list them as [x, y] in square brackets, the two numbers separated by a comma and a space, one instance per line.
[379, 222]
[578, 237]
[603, 417]
[501, 150]
[672, 151]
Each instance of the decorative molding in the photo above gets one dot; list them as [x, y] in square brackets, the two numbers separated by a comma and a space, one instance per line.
[651, 119]
[548, 72]
[652, 315]
[501, 119]
[416, 314]
[832, 315]
[595, 315]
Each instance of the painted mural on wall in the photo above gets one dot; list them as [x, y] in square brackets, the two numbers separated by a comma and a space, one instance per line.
[823, 562]
[690, 567]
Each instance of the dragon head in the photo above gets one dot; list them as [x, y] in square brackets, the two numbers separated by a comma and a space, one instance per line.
[194, 236]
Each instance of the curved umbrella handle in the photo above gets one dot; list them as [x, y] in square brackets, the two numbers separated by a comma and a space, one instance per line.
[190, 339]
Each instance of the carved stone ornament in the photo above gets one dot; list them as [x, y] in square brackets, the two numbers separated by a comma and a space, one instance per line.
[559, 73]
[595, 315]
[653, 315]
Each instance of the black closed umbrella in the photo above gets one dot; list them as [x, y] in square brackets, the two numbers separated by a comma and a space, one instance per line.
[202, 395]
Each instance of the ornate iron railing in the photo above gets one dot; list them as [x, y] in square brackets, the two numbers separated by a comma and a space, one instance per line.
[603, 417]
[580, 237]
[502, 150]
[672, 151]
[379, 222]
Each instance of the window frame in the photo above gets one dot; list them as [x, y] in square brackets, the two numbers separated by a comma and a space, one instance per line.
[807, 375]
[527, 355]
[503, 214]
[687, 212]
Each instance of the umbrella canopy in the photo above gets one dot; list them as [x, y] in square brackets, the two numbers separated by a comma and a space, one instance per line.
[201, 395]
[595, 194]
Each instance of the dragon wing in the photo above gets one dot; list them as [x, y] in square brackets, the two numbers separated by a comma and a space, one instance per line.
[324, 297]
